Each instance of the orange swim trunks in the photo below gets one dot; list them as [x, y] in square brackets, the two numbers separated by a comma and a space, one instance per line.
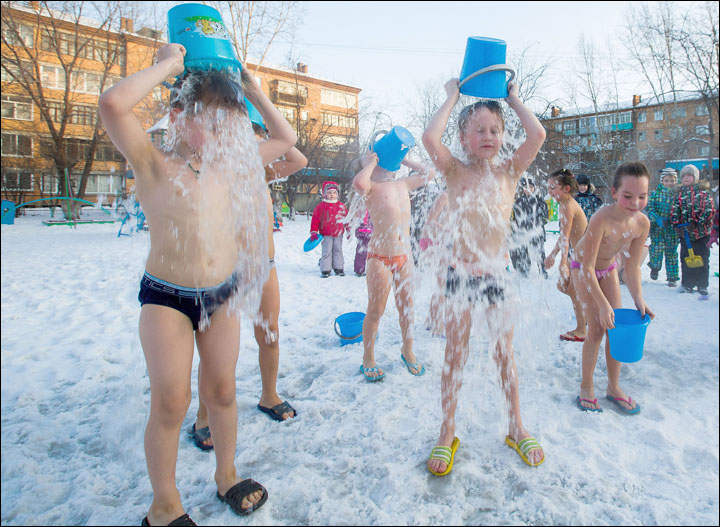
[394, 263]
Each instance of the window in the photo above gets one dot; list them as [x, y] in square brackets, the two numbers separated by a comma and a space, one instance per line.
[335, 142]
[304, 115]
[658, 115]
[658, 135]
[103, 183]
[288, 113]
[569, 125]
[334, 119]
[49, 183]
[676, 132]
[642, 117]
[18, 34]
[337, 98]
[84, 115]
[53, 77]
[16, 145]
[19, 108]
[107, 152]
[701, 109]
[702, 129]
[678, 113]
[10, 70]
[642, 136]
[703, 151]
[290, 92]
[17, 181]
[86, 82]
[558, 127]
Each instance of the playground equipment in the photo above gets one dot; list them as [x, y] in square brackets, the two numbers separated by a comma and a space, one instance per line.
[200, 29]
[9, 208]
[138, 224]
[483, 70]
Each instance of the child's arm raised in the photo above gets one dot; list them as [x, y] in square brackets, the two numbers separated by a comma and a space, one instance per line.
[420, 175]
[282, 135]
[534, 130]
[280, 169]
[432, 137]
[361, 181]
[632, 269]
[116, 107]
[563, 241]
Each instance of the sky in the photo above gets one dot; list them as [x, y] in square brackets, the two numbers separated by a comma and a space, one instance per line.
[75, 400]
[389, 48]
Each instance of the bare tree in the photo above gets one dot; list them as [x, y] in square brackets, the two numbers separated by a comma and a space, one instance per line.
[255, 26]
[60, 93]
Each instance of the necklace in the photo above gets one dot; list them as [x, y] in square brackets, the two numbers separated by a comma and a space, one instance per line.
[195, 170]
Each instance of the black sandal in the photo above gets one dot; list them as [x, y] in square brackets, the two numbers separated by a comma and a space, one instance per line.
[243, 489]
[182, 521]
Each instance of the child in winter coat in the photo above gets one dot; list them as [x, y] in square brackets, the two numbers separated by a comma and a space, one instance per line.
[363, 234]
[663, 238]
[693, 210]
[327, 220]
[586, 197]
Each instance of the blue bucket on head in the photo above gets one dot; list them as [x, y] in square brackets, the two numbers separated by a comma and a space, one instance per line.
[627, 338]
[254, 114]
[349, 327]
[484, 70]
[200, 29]
[392, 148]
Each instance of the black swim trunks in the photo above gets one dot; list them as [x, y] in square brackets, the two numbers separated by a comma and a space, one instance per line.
[483, 287]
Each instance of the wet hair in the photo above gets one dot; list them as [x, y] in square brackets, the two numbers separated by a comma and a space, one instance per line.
[631, 168]
[565, 177]
[260, 130]
[212, 86]
[468, 111]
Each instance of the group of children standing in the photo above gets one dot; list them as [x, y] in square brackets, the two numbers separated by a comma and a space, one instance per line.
[189, 279]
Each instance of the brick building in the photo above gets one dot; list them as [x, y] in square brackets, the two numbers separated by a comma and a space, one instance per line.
[660, 134]
[324, 112]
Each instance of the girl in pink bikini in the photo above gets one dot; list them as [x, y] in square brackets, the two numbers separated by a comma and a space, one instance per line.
[621, 227]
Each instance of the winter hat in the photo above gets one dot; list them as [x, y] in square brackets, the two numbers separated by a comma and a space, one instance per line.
[330, 185]
[690, 170]
[668, 172]
[582, 179]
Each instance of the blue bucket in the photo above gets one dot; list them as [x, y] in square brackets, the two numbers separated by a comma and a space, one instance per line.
[627, 339]
[350, 327]
[484, 70]
[309, 244]
[392, 148]
[254, 114]
[200, 29]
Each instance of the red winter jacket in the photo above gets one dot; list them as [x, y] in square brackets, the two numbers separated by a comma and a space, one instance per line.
[327, 218]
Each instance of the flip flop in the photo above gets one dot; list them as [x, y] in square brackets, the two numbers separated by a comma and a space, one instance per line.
[243, 489]
[414, 366]
[445, 454]
[579, 400]
[276, 411]
[571, 337]
[371, 378]
[183, 520]
[199, 435]
[629, 411]
[524, 447]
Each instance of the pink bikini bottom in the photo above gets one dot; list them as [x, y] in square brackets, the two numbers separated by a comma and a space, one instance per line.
[599, 273]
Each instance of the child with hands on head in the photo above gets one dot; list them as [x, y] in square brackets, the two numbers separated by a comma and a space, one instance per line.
[572, 222]
[613, 229]
[388, 265]
[192, 277]
[480, 194]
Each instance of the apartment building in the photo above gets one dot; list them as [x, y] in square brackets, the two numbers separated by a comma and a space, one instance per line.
[660, 134]
[324, 112]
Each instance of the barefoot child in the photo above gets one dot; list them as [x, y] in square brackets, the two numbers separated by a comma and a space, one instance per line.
[613, 229]
[388, 265]
[203, 262]
[266, 331]
[480, 198]
[573, 222]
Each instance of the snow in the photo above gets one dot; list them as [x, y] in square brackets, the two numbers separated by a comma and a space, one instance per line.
[75, 399]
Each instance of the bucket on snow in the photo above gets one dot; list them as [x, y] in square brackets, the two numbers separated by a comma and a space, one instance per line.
[627, 338]
[392, 148]
[484, 70]
[200, 29]
[348, 327]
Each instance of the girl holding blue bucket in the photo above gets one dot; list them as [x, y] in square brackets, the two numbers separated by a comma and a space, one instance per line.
[612, 229]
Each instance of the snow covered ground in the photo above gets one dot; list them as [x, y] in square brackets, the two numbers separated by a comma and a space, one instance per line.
[75, 398]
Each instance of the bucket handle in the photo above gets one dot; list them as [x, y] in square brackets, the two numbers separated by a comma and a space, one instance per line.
[495, 67]
[374, 137]
[342, 336]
